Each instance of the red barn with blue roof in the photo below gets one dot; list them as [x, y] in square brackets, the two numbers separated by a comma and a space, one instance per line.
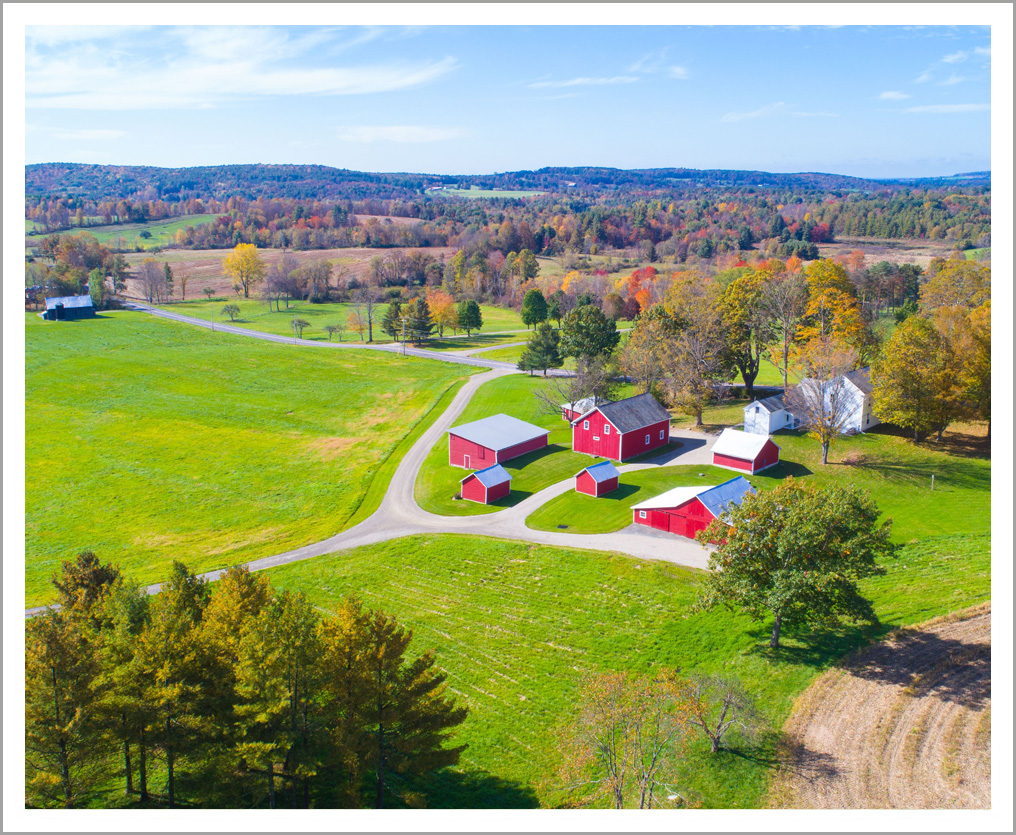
[688, 510]
[597, 479]
[487, 485]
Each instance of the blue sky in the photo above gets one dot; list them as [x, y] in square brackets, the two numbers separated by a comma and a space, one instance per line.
[874, 101]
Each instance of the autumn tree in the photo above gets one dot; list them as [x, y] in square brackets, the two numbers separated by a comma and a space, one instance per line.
[832, 309]
[719, 706]
[83, 583]
[747, 325]
[796, 553]
[246, 267]
[624, 747]
[956, 284]
[442, 308]
[784, 298]
[824, 400]
[542, 351]
[916, 381]
[645, 356]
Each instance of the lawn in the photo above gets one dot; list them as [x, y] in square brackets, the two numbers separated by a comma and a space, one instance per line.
[127, 236]
[504, 354]
[256, 315]
[514, 395]
[149, 441]
[517, 628]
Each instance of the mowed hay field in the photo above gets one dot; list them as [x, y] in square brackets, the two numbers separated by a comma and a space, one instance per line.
[519, 627]
[148, 441]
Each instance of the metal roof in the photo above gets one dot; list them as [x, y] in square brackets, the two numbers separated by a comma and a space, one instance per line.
[604, 471]
[69, 301]
[739, 444]
[490, 476]
[770, 404]
[498, 431]
[632, 413]
[861, 378]
[586, 404]
[716, 499]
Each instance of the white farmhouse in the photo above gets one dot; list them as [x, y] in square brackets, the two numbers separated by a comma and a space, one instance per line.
[763, 417]
[858, 385]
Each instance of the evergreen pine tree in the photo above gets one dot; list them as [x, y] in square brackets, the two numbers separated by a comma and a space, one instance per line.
[470, 316]
[391, 322]
[543, 350]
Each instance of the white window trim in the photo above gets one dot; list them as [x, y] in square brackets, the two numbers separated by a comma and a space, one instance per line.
[585, 424]
[661, 433]
[642, 514]
[606, 429]
[647, 440]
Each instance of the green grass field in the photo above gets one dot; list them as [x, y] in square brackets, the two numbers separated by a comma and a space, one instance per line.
[517, 628]
[127, 236]
[504, 354]
[477, 193]
[148, 441]
[255, 314]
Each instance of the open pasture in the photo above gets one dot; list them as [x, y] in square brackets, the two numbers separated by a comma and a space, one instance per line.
[918, 251]
[517, 628]
[127, 236]
[148, 441]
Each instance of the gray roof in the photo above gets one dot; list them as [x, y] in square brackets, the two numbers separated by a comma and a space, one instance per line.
[770, 404]
[586, 404]
[69, 301]
[604, 471]
[861, 378]
[498, 431]
[490, 476]
[633, 413]
[718, 500]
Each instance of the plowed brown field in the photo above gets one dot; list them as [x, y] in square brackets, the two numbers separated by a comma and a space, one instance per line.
[905, 724]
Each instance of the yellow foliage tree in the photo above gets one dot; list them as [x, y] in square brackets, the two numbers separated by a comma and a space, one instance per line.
[245, 266]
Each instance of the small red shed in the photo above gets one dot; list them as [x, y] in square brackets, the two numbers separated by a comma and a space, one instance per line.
[493, 440]
[745, 451]
[688, 510]
[621, 430]
[486, 486]
[597, 479]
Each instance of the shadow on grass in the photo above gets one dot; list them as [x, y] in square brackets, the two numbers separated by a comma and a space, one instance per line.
[623, 492]
[785, 469]
[522, 461]
[449, 789]
[666, 454]
[961, 444]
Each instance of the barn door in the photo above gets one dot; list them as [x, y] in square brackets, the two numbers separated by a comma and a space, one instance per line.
[466, 462]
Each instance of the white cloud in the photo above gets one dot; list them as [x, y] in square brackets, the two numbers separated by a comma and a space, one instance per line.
[923, 77]
[397, 133]
[983, 50]
[585, 81]
[58, 35]
[768, 110]
[952, 79]
[956, 57]
[202, 67]
[809, 114]
[86, 135]
[893, 95]
[678, 72]
[947, 108]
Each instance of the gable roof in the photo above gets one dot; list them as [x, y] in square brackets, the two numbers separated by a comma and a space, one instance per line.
[771, 404]
[498, 431]
[490, 476]
[861, 378]
[632, 413]
[716, 499]
[586, 404]
[740, 444]
[69, 301]
[604, 471]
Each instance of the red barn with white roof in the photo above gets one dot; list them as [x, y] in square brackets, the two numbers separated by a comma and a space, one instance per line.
[745, 451]
[493, 440]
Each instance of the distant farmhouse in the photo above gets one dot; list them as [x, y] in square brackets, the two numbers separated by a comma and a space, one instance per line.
[69, 307]
[493, 440]
[688, 510]
[763, 417]
[623, 429]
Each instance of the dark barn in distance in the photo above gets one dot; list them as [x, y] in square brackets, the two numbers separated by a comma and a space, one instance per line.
[63, 308]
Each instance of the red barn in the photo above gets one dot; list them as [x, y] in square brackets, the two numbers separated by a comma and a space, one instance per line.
[493, 440]
[486, 486]
[688, 510]
[622, 430]
[597, 479]
[745, 451]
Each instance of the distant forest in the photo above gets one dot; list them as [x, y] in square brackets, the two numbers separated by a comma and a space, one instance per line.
[673, 212]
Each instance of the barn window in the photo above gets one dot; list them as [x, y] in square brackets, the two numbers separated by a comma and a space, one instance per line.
[647, 439]
[756, 410]
[585, 424]
[661, 434]
[642, 514]
[606, 429]
[481, 453]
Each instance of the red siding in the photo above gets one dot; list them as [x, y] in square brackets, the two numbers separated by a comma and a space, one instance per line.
[473, 489]
[479, 457]
[685, 520]
[520, 449]
[498, 492]
[594, 441]
[731, 463]
[767, 457]
[634, 443]
[584, 483]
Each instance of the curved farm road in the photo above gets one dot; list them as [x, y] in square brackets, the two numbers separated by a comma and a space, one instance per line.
[399, 515]
[906, 724]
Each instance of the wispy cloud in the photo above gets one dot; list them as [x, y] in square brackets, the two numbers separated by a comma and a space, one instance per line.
[656, 62]
[956, 57]
[397, 133]
[813, 113]
[768, 110]
[201, 67]
[923, 78]
[86, 135]
[678, 72]
[947, 108]
[585, 81]
[952, 79]
[893, 95]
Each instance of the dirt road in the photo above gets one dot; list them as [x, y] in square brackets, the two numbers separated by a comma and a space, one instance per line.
[906, 724]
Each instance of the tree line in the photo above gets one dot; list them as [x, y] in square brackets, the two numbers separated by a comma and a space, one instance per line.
[242, 696]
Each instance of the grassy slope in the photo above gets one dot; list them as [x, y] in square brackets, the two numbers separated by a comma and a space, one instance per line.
[126, 235]
[517, 627]
[513, 395]
[255, 314]
[895, 473]
[149, 441]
